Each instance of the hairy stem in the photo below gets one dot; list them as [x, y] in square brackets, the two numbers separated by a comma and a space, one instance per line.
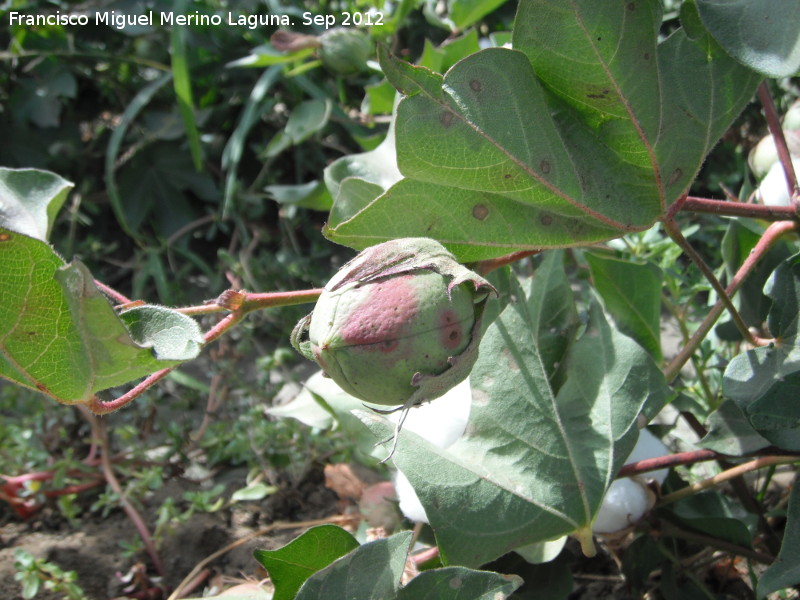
[771, 235]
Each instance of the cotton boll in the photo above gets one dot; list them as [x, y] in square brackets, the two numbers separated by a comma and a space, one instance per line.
[625, 503]
[773, 190]
[441, 422]
[409, 502]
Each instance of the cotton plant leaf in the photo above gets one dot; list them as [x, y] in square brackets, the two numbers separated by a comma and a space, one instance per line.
[762, 34]
[61, 336]
[587, 130]
[631, 293]
[535, 462]
[30, 200]
[291, 565]
[370, 572]
[765, 381]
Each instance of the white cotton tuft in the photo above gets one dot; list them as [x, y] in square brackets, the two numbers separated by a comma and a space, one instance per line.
[625, 503]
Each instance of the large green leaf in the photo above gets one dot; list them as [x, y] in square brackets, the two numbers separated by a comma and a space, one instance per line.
[535, 462]
[59, 334]
[765, 381]
[291, 565]
[762, 34]
[587, 130]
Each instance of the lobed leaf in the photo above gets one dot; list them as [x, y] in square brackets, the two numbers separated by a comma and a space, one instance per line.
[765, 381]
[587, 130]
[535, 461]
[760, 33]
[59, 334]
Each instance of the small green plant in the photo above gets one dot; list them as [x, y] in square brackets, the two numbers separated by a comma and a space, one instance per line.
[35, 574]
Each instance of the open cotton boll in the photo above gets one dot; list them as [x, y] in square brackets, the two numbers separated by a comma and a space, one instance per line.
[773, 190]
[628, 499]
[441, 422]
[625, 503]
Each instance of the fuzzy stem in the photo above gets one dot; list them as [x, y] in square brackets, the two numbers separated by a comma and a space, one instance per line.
[753, 465]
[770, 236]
[677, 236]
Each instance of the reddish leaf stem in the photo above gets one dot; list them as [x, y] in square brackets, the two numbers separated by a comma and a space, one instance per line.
[112, 293]
[727, 208]
[100, 435]
[245, 303]
[774, 124]
[770, 236]
[666, 462]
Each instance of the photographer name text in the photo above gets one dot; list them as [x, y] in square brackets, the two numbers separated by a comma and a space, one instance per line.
[150, 19]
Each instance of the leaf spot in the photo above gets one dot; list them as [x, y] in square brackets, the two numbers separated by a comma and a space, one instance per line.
[4, 237]
[475, 85]
[480, 211]
[446, 118]
[676, 174]
[647, 56]
[456, 583]
[546, 220]
[545, 166]
[631, 6]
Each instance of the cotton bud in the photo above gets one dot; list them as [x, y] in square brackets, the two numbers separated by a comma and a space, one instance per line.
[398, 325]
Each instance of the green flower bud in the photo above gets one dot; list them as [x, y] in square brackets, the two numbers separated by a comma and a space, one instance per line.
[345, 51]
[398, 325]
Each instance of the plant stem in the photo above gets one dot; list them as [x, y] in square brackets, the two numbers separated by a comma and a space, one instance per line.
[665, 462]
[675, 234]
[774, 124]
[101, 437]
[753, 465]
[770, 236]
[727, 208]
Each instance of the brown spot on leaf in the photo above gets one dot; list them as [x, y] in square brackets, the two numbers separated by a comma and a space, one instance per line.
[475, 85]
[545, 166]
[546, 220]
[4, 237]
[446, 118]
[676, 174]
[507, 176]
[631, 6]
[480, 211]
[647, 56]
